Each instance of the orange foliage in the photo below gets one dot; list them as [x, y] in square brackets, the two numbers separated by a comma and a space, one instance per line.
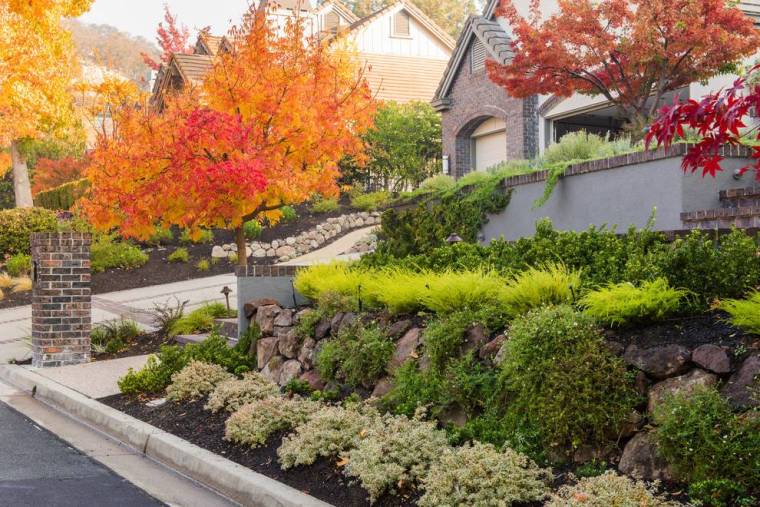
[266, 128]
[50, 173]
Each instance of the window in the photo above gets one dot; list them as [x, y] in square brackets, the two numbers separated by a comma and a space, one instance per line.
[401, 24]
[477, 56]
[331, 23]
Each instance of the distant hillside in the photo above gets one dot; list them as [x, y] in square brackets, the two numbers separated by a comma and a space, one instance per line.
[106, 46]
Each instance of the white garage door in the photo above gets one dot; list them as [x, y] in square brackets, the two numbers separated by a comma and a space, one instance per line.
[489, 144]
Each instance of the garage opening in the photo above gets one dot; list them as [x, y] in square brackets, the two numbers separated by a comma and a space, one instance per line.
[489, 144]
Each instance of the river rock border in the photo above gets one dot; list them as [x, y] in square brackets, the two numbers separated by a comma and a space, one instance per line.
[290, 247]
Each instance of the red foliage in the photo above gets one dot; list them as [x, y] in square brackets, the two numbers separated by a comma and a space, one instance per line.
[49, 173]
[718, 119]
[171, 39]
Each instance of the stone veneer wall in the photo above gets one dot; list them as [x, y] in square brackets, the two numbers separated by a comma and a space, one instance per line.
[291, 247]
[61, 299]
[274, 283]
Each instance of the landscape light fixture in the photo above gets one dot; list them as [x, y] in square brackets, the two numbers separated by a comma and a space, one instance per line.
[227, 291]
[454, 238]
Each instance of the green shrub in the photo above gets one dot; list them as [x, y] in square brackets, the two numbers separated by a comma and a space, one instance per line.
[579, 146]
[398, 290]
[745, 313]
[371, 201]
[288, 213]
[109, 254]
[203, 265]
[534, 287]
[19, 265]
[200, 320]
[478, 474]
[359, 355]
[451, 291]
[445, 336]
[337, 277]
[202, 236]
[63, 196]
[179, 255]
[397, 450]
[18, 225]
[606, 490]
[624, 303]
[196, 380]
[307, 322]
[720, 493]
[558, 372]
[161, 236]
[323, 205]
[232, 394]
[113, 336]
[255, 422]
[252, 229]
[436, 184]
[703, 440]
[328, 432]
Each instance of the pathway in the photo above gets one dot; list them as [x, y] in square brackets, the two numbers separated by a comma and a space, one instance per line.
[333, 251]
[134, 304]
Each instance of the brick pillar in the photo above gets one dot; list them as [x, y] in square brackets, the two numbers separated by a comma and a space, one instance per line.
[61, 311]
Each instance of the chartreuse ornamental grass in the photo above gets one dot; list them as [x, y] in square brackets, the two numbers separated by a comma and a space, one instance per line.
[624, 303]
[534, 287]
[745, 313]
[200, 320]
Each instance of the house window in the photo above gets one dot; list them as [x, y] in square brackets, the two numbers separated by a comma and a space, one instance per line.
[477, 56]
[401, 25]
[332, 21]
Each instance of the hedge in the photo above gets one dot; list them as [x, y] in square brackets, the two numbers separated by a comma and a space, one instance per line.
[18, 224]
[62, 197]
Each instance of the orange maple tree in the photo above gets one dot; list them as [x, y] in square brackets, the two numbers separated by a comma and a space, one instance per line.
[50, 173]
[267, 127]
[630, 51]
[172, 38]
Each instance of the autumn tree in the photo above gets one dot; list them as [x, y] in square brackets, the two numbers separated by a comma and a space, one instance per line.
[632, 52]
[172, 38]
[37, 65]
[450, 15]
[266, 128]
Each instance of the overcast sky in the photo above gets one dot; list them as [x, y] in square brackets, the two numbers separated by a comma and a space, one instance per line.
[140, 17]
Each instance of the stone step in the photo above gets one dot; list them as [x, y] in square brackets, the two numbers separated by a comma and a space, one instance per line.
[227, 327]
[722, 218]
[185, 339]
[748, 197]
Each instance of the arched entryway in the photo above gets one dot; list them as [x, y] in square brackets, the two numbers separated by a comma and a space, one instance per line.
[481, 143]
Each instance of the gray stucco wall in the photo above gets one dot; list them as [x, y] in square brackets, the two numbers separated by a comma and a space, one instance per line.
[279, 288]
[620, 196]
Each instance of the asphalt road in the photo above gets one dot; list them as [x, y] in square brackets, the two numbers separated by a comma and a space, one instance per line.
[39, 469]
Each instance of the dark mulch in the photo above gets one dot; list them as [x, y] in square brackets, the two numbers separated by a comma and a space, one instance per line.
[148, 343]
[323, 479]
[690, 332]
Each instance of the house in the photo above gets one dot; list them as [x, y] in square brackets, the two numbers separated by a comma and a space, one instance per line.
[483, 125]
[404, 52]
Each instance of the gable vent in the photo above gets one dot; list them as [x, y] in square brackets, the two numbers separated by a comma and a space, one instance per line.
[477, 56]
[332, 21]
[401, 24]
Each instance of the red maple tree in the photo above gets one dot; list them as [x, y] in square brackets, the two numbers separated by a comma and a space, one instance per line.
[632, 52]
[171, 38]
[718, 119]
[50, 173]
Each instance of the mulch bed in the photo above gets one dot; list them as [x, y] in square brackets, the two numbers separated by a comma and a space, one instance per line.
[323, 479]
[148, 343]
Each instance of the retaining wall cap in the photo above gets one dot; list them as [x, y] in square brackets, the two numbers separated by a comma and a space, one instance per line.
[235, 481]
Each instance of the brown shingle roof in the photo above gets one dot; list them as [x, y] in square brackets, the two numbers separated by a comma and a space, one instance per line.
[302, 5]
[193, 68]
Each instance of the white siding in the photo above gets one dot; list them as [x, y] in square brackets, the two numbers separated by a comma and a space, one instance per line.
[376, 38]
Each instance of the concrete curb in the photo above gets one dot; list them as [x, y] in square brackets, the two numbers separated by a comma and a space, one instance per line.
[232, 480]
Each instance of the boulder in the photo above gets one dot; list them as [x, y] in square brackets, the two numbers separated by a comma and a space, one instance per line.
[712, 357]
[684, 384]
[289, 344]
[475, 338]
[631, 425]
[285, 251]
[659, 362]
[284, 318]
[273, 368]
[271, 252]
[616, 348]
[322, 329]
[314, 380]
[335, 322]
[641, 460]
[290, 369]
[266, 348]
[290, 241]
[489, 350]
[398, 328]
[641, 383]
[218, 252]
[259, 253]
[454, 415]
[251, 306]
[348, 319]
[307, 353]
[265, 316]
[743, 386]
[382, 387]
[406, 348]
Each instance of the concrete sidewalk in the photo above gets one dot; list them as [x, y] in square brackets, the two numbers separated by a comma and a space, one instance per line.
[133, 304]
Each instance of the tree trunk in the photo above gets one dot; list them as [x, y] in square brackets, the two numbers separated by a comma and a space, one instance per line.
[21, 186]
[240, 241]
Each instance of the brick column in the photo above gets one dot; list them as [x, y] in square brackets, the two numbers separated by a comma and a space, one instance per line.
[61, 311]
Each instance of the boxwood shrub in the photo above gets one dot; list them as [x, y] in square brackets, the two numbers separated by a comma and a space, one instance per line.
[18, 224]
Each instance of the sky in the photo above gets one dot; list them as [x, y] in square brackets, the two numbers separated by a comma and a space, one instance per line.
[140, 17]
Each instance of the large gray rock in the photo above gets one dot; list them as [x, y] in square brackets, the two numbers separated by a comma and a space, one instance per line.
[218, 252]
[265, 316]
[406, 348]
[489, 350]
[251, 306]
[659, 362]
[475, 338]
[285, 251]
[273, 368]
[284, 318]
[398, 328]
[335, 323]
[641, 460]
[685, 384]
[382, 387]
[266, 348]
[743, 387]
[322, 329]
[713, 358]
[289, 344]
[314, 380]
[307, 353]
[290, 370]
